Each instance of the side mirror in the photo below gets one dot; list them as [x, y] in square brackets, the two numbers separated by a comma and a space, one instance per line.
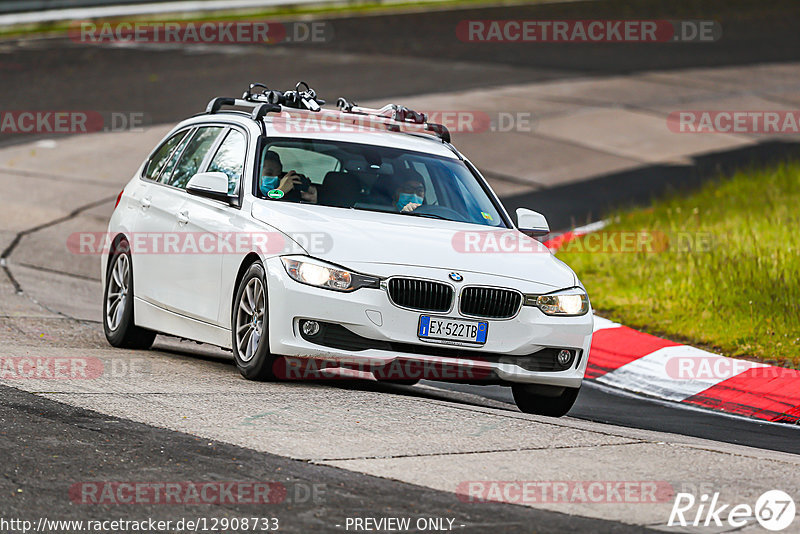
[532, 223]
[213, 185]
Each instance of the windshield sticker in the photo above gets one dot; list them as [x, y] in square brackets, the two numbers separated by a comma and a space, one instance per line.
[486, 216]
[275, 193]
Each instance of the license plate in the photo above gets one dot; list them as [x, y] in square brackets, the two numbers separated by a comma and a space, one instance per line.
[452, 330]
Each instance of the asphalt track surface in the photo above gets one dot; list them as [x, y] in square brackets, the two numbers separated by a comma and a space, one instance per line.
[115, 449]
[374, 57]
[605, 405]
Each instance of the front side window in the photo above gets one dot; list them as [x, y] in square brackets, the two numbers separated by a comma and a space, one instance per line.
[375, 178]
[192, 157]
[230, 159]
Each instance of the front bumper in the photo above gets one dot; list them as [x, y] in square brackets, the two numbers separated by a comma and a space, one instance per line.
[369, 313]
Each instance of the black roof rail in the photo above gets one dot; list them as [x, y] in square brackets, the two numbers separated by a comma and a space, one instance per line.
[217, 103]
[439, 129]
[393, 117]
[262, 109]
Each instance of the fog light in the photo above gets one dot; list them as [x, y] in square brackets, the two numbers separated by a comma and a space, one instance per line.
[310, 328]
[564, 358]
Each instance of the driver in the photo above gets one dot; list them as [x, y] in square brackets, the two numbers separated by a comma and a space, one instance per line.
[273, 177]
[409, 195]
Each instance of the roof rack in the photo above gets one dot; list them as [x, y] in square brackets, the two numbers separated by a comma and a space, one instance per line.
[392, 117]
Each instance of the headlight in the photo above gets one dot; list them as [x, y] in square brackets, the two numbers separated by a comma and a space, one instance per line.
[566, 302]
[320, 274]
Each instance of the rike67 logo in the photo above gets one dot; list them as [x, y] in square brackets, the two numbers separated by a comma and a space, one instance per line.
[774, 510]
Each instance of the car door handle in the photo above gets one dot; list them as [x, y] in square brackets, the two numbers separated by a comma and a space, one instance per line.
[145, 202]
[183, 217]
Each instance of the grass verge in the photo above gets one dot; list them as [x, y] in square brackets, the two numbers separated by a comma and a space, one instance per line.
[718, 268]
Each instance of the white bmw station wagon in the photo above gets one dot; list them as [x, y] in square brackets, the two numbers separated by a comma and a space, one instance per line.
[311, 241]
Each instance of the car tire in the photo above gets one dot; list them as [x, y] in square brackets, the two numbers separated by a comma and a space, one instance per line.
[250, 326]
[118, 322]
[544, 400]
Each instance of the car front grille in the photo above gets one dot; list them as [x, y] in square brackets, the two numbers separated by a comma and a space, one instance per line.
[422, 295]
[489, 302]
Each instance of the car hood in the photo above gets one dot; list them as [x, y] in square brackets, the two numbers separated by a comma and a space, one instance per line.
[347, 236]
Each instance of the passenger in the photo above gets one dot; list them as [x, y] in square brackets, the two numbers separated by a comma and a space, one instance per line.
[409, 195]
[273, 177]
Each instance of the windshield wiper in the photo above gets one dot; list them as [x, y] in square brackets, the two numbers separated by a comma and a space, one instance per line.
[428, 215]
[391, 209]
[374, 209]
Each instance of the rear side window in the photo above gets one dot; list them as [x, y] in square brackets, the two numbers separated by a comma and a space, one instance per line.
[230, 159]
[160, 158]
[192, 157]
[173, 160]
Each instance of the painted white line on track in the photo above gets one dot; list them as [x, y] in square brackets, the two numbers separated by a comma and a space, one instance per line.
[601, 324]
[658, 373]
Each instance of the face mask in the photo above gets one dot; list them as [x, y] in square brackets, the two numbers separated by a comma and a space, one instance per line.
[406, 198]
[268, 183]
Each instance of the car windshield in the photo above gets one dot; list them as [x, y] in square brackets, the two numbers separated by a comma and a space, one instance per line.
[373, 178]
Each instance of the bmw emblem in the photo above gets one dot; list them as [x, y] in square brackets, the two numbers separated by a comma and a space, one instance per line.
[456, 277]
